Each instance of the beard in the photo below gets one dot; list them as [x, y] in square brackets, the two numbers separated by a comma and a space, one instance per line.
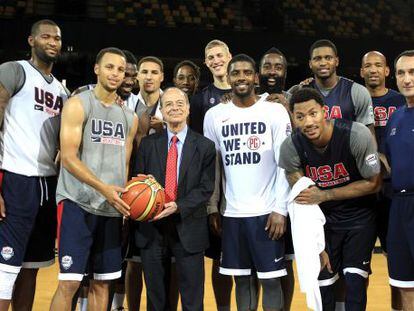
[43, 56]
[277, 88]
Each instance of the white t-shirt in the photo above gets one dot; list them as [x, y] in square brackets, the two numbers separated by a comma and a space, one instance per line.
[248, 141]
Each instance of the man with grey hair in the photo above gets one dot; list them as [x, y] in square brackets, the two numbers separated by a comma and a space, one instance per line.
[183, 161]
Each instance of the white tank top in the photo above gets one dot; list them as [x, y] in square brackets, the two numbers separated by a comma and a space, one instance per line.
[29, 136]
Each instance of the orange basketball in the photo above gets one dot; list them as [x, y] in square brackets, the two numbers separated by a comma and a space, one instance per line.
[145, 196]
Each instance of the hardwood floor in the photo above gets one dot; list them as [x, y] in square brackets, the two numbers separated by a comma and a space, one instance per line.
[378, 292]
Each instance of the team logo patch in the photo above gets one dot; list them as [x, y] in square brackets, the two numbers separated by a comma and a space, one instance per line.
[393, 131]
[371, 159]
[67, 262]
[288, 129]
[212, 100]
[7, 252]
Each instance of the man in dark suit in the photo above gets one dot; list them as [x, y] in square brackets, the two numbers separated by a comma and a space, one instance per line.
[184, 162]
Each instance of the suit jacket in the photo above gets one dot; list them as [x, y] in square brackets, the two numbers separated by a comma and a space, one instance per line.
[195, 187]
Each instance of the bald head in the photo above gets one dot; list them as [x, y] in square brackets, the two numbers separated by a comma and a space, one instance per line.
[374, 54]
[374, 70]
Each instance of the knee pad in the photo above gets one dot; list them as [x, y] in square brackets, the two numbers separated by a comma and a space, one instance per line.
[272, 293]
[246, 292]
[356, 291]
[6, 285]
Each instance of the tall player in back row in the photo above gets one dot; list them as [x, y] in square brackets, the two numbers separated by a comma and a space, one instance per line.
[96, 144]
[248, 133]
[31, 100]
[343, 98]
[216, 57]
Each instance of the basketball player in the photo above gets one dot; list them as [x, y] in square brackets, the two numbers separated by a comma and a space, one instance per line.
[340, 157]
[150, 76]
[96, 143]
[130, 100]
[217, 56]
[374, 70]
[187, 77]
[272, 81]
[399, 149]
[248, 133]
[343, 99]
[31, 100]
[272, 76]
[130, 80]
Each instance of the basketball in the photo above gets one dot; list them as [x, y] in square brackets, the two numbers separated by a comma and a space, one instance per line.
[145, 196]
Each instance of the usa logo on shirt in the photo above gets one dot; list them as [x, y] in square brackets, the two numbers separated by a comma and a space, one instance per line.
[47, 102]
[107, 132]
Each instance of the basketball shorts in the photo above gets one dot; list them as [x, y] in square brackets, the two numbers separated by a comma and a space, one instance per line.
[349, 251]
[383, 203]
[88, 243]
[247, 246]
[28, 233]
[400, 241]
[289, 250]
[133, 252]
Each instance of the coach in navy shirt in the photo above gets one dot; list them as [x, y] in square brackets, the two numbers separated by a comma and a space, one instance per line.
[399, 147]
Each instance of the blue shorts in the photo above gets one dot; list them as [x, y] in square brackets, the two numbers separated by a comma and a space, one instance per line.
[350, 251]
[88, 243]
[400, 241]
[289, 250]
[247, 246]
[28, 233]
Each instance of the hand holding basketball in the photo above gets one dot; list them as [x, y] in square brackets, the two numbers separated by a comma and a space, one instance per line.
[111, 193]
[145, 196]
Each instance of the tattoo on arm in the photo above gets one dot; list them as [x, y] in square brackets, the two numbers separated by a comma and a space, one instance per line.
[4, 100]
[293, 177]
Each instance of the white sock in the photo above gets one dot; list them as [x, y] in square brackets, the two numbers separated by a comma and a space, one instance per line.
[83, 304]
[340, 306]
[223, 308]
[118, 300]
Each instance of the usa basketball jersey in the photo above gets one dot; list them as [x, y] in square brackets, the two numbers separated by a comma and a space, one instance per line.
[29, 137]
[339, 103]
[201, 102]
[103, 151]
[384, 107]
[335, 167]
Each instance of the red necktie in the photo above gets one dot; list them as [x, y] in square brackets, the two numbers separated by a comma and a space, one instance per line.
[171, 172]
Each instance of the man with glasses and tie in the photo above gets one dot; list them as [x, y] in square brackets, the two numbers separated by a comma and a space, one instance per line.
[183, 161]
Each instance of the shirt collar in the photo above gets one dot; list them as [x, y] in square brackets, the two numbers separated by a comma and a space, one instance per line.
[181, 135]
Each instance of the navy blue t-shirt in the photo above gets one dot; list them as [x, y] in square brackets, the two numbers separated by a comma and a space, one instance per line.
[339, 103]
[384, 107]
[203, 101]
[336, 167]
[399, 148]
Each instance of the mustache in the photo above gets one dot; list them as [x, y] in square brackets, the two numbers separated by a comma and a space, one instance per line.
[277, 88]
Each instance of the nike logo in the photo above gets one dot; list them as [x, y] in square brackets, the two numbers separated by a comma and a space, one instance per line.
[365, 262]
[278, 259]
[225, 120]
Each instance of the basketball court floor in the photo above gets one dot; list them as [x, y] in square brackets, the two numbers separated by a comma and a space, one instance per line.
[378, 292]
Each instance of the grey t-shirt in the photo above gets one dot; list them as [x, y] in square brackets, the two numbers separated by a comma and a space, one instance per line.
[12, 77]
[361, 144]
[103, 151]
[360, 97]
